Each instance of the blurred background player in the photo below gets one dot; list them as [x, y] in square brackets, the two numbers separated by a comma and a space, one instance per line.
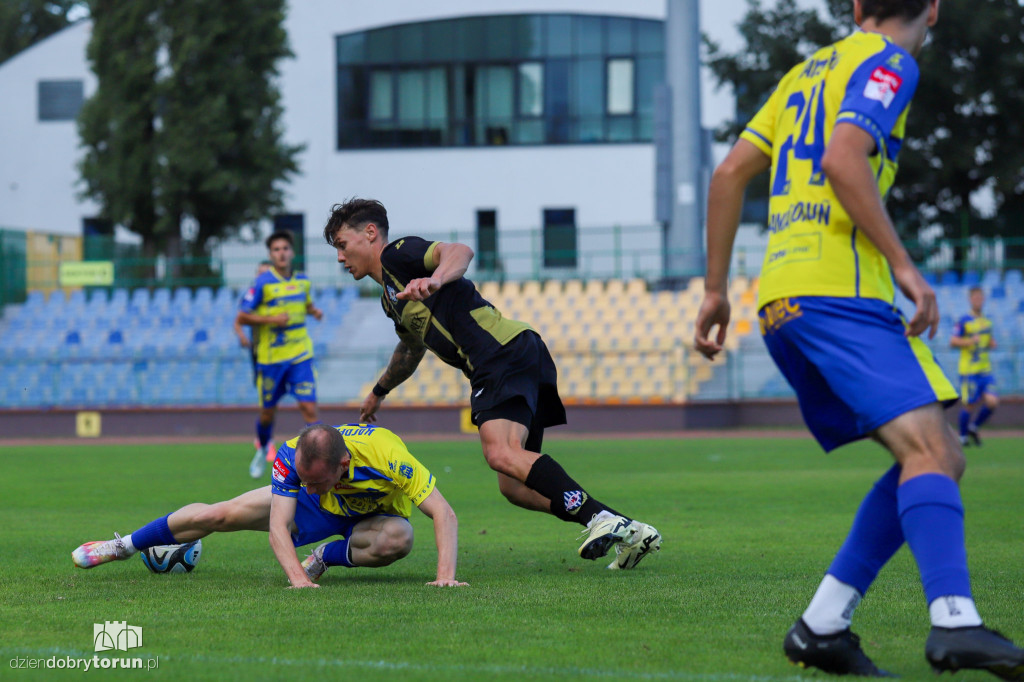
[513, 380]
[357, 481]
[276, 306]
[973, 336]
[830, 133]
[247, 339]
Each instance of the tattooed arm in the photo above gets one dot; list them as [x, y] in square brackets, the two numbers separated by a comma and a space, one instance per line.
[404, 361]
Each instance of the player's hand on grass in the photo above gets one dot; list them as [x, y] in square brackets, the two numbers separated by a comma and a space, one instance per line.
[448, 583]
[299, 586]
[714, 310]
[419, 289]
[369, 409]
[914, 287]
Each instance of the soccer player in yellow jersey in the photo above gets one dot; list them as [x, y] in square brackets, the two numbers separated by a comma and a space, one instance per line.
[973, 336]
[276, 306]
[357, 481]
[830, 134]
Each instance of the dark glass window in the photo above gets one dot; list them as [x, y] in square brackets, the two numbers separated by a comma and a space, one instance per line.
[487, 239]
[559, 237]
[499, 80]
[60, 100]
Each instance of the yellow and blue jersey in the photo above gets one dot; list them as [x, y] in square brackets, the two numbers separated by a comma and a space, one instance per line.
[975, 360]
[382, 478]
[814, 249]
[272, 294]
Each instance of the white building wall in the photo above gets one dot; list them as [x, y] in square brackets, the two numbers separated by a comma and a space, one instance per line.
[38, 172]
[425, 190]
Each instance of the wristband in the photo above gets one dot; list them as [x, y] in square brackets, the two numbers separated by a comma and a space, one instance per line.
[379, 390]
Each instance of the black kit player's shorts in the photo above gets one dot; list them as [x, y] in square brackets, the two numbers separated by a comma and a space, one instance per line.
[519, 383]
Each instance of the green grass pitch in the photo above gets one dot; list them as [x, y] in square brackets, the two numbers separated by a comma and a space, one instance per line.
[749, 526]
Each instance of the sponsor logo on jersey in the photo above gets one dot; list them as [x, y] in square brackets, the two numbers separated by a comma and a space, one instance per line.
[405, 470]
[280, 471]
[883, 86]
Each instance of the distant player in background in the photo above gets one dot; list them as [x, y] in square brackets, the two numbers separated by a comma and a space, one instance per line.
[276, 306]
[356, 481]
[830, 133]
[973, 336]
[513, 380]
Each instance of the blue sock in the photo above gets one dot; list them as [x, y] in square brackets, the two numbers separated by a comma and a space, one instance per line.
[336, 554]
[983, 414]
[932, 517]
[965, 420]
[875, 536]
[153, 533]
[264, 432]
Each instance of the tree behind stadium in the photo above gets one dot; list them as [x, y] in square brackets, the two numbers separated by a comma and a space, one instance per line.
[965, 134]
[24, 23]
[185, 121]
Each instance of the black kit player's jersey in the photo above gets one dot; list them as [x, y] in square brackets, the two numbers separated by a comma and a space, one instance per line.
[455, 322]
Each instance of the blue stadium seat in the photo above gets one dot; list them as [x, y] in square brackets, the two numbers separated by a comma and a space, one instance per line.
[35, 298]
[930, 277]
[972, 278]
[949, 277]
[161, 299]
[991, 278]
[998, 292]
[1014, 278]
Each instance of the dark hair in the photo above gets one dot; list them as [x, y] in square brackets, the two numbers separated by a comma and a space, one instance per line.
[880, 10]
[320, 442]
[281, 234]
[975, 288]
[355, 213]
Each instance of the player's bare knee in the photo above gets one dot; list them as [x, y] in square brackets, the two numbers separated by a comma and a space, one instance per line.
[500, 457]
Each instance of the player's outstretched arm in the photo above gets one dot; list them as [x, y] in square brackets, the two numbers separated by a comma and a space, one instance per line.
[282, 513]
[446, 534]
[451, 260]
[848, 169]
[404, 361]
[725, 204]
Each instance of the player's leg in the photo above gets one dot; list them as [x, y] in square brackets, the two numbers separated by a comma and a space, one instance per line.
[968, 403]
[271, 385]
[302, 384]
[932, 518]
[989, 402]
[248, 511]
[793, 329]
[370, 542]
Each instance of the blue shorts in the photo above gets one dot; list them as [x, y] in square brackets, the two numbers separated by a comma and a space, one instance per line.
[973, 386]
[851, 365]
[313, 524]
[299, 379]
